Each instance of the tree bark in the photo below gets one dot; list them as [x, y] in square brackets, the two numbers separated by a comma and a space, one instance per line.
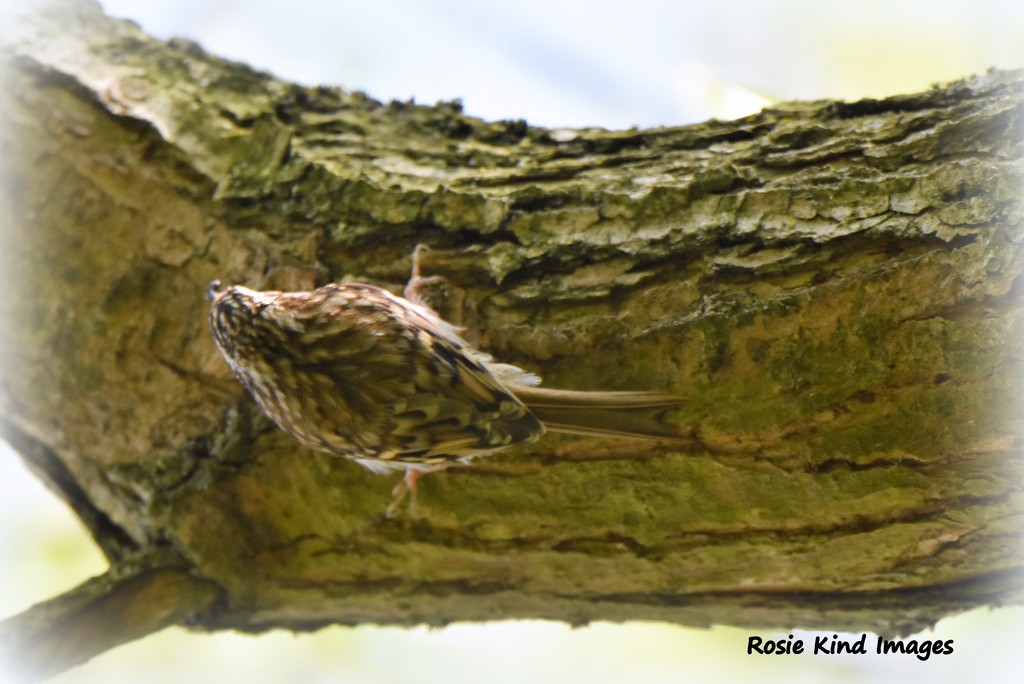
[835, 286]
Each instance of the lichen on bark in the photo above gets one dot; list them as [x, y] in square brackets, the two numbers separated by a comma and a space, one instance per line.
[836, 287]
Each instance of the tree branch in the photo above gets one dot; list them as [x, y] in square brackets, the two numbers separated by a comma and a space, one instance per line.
[107, 611]
[836, 286]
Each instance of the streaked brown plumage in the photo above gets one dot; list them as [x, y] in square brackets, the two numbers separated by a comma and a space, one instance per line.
[358, 372]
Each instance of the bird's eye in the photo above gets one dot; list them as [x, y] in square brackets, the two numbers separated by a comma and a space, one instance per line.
[229, 309]
[225, 307]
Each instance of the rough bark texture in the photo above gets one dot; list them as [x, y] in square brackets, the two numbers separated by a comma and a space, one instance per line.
[835, 285]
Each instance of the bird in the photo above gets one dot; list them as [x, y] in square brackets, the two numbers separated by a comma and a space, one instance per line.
[358, 372]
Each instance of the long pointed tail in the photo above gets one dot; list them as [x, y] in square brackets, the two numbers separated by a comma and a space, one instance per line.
[603, 414]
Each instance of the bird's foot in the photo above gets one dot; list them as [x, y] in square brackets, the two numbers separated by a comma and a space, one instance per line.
[412, 290]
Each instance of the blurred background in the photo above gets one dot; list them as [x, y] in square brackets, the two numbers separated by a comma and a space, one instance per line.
[554, 63]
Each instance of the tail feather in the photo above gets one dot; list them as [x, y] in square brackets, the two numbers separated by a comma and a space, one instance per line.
[603, 414]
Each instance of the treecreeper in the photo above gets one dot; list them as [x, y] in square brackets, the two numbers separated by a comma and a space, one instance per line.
[355, 371]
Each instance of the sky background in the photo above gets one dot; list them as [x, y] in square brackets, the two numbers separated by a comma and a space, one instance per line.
[558, 64]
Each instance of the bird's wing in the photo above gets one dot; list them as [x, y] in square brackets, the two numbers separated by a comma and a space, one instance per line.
[455, 407]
